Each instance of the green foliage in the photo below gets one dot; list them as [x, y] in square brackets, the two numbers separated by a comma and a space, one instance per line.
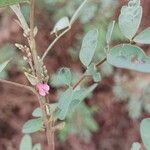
[130, 18]
[26, 144]
[136, 146]
[4, 3]
[61, 24]
[37, 112]
[143, 37]
[71, 98]
[92, 71]
[129, 57]
[88, 47]
[80, 122]
[8, 52]
[109, 32]
[145, 132]
[32, 126]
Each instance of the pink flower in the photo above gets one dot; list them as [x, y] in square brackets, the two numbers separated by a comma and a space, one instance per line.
[42, 88]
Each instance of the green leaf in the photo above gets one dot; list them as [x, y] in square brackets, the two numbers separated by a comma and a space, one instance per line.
[88, 48]
[26, 143]
[71, 98]
[130, 18]
[3, 65]
[129, 57]
[143, 37]
[4, 3]
[92, 71]
[37, 147]
[32, 126]
[64, 102]
[110, 31]
[61, 24]
[37, 112]
[145, 132]
[136, 146]
[64, 76]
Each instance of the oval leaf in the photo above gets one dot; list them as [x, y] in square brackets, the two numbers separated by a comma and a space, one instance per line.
[109, 32]
[129, 57]
[136, 146]
[4, 3]
[88, 48]
[61, 24]
[130, 18]
[32, 126]
[145, 132]
[26, 143]
[37, 112]
[143, 37]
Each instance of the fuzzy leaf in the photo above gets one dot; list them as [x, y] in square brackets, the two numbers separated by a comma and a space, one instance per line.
[110, 31]
[143, 37]
[130, 18]
[88, 48]
[61, 24]
[145, 132]
[129, 57]
[26, 143]
[4, 3]
[32, 126]
[3, 65]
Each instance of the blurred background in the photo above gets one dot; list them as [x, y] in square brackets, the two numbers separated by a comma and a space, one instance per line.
[107, 120]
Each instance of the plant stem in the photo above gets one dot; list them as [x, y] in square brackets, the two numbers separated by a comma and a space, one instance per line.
[53, 43]
[18, 85]
[84, 76]
[42, 100]
[72, 20]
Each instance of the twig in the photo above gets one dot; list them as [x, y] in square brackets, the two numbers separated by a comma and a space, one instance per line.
[18, 85]
[84, 76]
[53, 43]
[72, 20]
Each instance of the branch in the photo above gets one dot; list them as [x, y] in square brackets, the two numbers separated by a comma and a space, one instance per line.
[84, 76]
[72, 20]
[53, 43]
[18, 85]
